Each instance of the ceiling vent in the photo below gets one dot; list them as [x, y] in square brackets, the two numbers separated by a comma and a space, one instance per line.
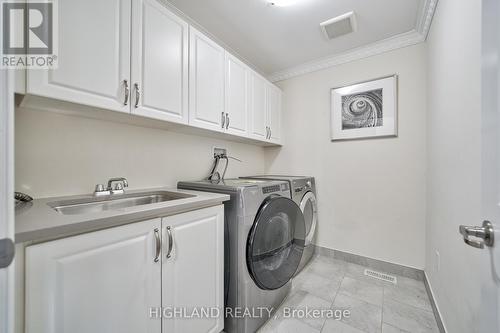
[340, 25]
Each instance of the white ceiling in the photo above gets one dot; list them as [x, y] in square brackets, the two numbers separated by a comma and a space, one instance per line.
[275, 39]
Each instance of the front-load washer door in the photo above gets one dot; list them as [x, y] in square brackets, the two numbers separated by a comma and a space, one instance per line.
[275, 242]
[309, 209]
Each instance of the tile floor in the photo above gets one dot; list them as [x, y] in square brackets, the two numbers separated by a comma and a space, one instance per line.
[374, 305]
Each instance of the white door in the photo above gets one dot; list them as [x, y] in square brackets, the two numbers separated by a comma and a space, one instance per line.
[6, 201]
[274, 113]
[159, 63]
[487, 315]
[257, 119]
[93, 56]
[206, 82]
[236, 96]
[103, 281]
[193, 269]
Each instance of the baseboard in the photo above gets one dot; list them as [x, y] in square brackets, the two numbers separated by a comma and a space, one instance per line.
[384, 266]
[435, 308]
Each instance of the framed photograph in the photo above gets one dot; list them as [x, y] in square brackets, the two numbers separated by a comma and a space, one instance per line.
[365, 110]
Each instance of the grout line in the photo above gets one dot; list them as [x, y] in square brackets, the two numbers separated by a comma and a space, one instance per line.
[411, 306]
[333, 301]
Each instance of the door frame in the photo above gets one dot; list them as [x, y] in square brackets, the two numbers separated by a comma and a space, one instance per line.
[488, 317]
[6, 195]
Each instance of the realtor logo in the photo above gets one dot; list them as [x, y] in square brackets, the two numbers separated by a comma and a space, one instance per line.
[28, 34]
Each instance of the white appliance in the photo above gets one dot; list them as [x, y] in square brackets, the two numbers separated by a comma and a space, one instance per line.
[303, 191]
[264, 241]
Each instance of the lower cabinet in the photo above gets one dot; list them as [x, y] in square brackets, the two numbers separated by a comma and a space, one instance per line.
[121, 280]
[102, 281]
[193, 270]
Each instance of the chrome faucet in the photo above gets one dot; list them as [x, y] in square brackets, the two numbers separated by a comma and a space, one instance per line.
[121, 183]
[119, 187]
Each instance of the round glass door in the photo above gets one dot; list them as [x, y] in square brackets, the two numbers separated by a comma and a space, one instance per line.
[309, 209]
[275, 243]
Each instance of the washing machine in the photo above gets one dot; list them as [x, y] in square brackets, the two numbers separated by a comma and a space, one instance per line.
[264, 242]
[303, 192]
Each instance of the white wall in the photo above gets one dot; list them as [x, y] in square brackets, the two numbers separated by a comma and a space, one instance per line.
[371, 192]
[63, 155]
[454, 165]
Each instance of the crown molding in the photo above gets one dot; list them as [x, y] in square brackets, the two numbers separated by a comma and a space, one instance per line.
[425, 18]
[389, 44]
[415, 36]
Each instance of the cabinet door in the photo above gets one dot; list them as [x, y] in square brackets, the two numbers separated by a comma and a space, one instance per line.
[193, 275]
[236, 96]
[93, 55]
[257, 119]
[103, 281]
[206, 82]
[274, 113]
[159, 63]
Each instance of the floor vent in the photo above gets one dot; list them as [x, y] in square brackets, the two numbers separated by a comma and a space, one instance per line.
[381, 276]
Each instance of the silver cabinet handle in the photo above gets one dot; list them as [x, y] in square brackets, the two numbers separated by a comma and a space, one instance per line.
[170, 242]
[137, 94]
[485, 233]
[270, 132]
[158, 245]
[127, 92]
[267, 132]
[223, 120]
[227, 120]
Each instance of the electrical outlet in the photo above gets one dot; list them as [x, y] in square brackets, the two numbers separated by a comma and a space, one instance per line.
[219, 151]
[437, 261]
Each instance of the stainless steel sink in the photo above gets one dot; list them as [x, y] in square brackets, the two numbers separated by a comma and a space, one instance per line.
[114, 202]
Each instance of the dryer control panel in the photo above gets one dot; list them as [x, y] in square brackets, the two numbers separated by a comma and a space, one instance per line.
[275, 188]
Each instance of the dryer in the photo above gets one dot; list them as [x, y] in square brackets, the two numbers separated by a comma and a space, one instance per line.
[303, 192]
[264, 241]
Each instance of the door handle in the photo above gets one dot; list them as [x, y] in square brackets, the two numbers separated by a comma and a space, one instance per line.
[223, 121]
[137, 94]
[227, 120]
[158, 245]
[170, 242]
[484, 235]
[7, 250]
[127, 92]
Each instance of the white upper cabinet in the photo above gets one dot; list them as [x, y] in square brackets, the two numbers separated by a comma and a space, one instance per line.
[237, 100]
[93, 56]
[257, 115]
[193, 268]
[274, 113]
[159, 63]
[103, 281]
[138, 57]
[206, 82]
